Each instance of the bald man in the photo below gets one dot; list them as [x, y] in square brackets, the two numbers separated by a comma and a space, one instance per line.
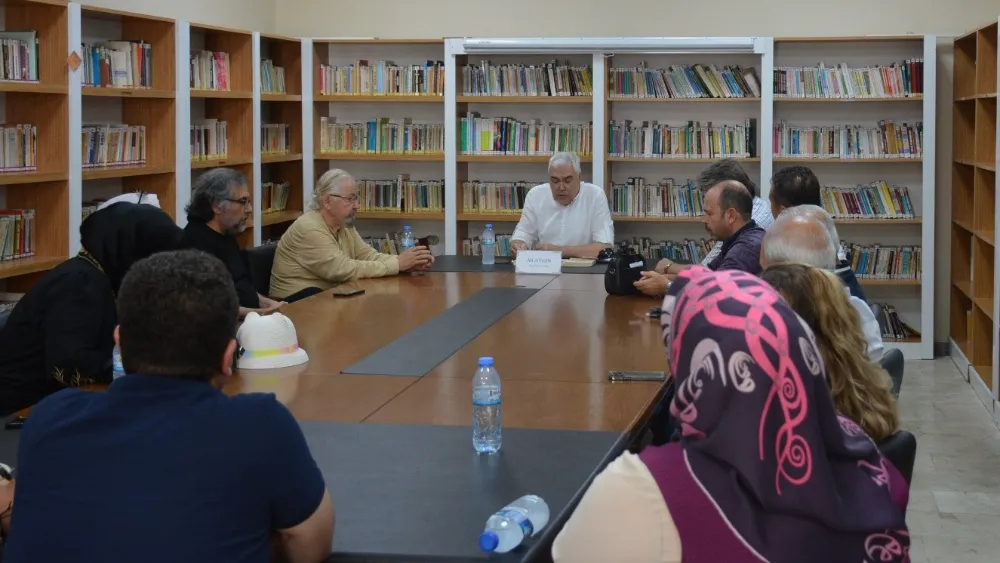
[728, 209]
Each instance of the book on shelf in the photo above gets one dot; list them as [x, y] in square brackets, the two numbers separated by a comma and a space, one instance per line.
[473, 246]
[118, 64]
[108, 145]
[381, 135]
[890, 325]
[209, 139]
[877, 262]
[885, 140]
[876, 200]
[209, 70]
[275, 138]
[20, 148]
[272, 78]
[20, 56]
[17, 233]
[495, 197]
[683, 82]
[651, 139]
[390, 243]
[666, 198]
[509, 136]
[401, 195]
[552, 79]
[895, 80]
[274, 196]
[383, 78]
[688, 251]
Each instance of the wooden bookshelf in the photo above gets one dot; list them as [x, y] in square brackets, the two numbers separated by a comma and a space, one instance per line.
[151, 105]
[45, 105]
[974, 277]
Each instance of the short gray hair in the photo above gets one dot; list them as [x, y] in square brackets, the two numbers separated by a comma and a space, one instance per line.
[560, 158]
[784, 243]
[210, 189]
[816, 213]
[328, 183]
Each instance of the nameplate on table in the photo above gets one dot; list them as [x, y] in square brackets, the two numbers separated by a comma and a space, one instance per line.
[538, 262]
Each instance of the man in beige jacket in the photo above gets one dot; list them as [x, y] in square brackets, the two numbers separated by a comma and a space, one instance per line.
[322, 248]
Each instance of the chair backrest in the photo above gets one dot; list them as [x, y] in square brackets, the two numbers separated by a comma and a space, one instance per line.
[901, 450]
[261, 259]
[892, 362]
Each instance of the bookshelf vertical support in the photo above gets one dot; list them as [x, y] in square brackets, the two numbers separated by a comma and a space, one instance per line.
[996, 261]
[765, 143]
[308, 150]
[257, 191]
[451, 136]
[75, 111]
[183, 113]
[928, 190]
[600, 119]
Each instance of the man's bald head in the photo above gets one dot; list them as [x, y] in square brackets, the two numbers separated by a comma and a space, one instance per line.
[800, 239]
[734, 195]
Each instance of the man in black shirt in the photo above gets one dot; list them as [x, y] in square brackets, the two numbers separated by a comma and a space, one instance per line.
[219, 210]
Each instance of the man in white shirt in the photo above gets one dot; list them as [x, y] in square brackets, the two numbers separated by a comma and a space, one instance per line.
[565, 214]
[806, 234]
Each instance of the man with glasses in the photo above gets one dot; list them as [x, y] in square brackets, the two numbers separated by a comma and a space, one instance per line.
[219, 210]
[322, 248]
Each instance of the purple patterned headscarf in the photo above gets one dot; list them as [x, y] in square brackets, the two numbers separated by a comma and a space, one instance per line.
[793, 480]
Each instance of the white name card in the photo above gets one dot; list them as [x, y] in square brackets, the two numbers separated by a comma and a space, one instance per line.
[538, 262]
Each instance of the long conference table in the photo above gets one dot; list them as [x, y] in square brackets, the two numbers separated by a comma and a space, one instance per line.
[385, 401]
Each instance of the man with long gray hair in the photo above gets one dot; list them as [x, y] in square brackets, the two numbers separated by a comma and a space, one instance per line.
[322, 248]
[565, 214]
[219, 210]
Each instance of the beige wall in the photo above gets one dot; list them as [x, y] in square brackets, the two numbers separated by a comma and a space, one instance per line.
[252, 15]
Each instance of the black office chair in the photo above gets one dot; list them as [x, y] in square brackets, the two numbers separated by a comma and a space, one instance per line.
[892, 362]
[901, 450]
[261, 259]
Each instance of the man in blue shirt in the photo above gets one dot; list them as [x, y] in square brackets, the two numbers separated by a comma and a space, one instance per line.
[163, 467]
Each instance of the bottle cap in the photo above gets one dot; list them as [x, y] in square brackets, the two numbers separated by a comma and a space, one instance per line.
[485, 361]
[489, 225]
[489, 540]
[406, 227]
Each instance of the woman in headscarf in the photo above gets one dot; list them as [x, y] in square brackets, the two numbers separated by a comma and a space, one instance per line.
[60, 333]
[765, 469]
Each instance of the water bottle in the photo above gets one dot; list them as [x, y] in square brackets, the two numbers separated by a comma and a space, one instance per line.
[117, 368]
[520, 519]
[407, 242]
[486, 408]
[488, 244]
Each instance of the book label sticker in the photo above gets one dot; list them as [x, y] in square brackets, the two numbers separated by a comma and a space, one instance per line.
[538, 262]
[74, 61]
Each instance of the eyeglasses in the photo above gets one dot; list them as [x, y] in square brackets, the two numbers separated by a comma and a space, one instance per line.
[244, 201]
[352, 200]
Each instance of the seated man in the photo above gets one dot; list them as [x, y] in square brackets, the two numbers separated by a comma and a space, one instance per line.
[322, 248]
[730, 169]
[565, 214]
[163, 467]
[797, 185]
[219, 209]
[805, 234]
[728, 208]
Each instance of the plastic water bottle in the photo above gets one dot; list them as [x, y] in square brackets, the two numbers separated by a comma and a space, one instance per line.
[407, 242]
[486, 430]
[117, 368]
[520, 519]
[488, 244]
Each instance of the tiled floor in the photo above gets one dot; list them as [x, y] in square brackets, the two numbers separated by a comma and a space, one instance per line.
[954, 512]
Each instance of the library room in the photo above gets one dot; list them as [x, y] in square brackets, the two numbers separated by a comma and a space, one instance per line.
[266, 267]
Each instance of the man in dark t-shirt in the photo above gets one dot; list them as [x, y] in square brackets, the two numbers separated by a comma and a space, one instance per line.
[163, 467]
[219, 210]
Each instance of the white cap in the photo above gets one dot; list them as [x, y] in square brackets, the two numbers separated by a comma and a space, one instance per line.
[269, 342]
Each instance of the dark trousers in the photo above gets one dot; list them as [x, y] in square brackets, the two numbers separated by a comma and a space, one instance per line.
[300, 295]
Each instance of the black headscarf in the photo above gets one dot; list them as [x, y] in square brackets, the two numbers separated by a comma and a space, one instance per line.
[123, 233]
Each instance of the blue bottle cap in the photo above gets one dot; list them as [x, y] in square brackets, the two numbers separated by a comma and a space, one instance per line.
[485, 361]
[406, 227]
[489, 541]
[489, 225]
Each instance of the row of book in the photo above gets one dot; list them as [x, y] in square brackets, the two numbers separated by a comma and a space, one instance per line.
[274, 196]
[275, 138]
[19, 51]
[878, 262]
[495, 197]
[391, 243]
[666, 198]
[383, 78]
[683, 81]
[210, 70]
[272, 78]
[688, 251]
[209, 140]
[380, 136]
[886, 140]
[118, 64]
[18, 148]
[401, 195]
[509, 136]
[108, 145]
[17, 233]
[891, 325]
[473, 246]
[549, 79]
[876, 200]
[897, 80]
[651, 139]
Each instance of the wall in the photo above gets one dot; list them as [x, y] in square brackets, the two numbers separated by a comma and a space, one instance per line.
[253, 15]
